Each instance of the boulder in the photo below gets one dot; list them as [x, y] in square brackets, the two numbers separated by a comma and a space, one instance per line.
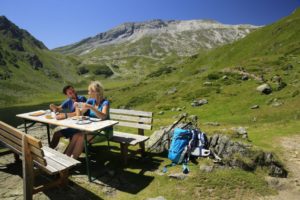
[240, 131]
[236, 154]
[206, 168]
[199, 102]
[158, 141]
[161, 112]
[171, 91]
[264, 88]
[193, 118]
[178, 176]
[178, 109]
[207, 83]
[157, 198]
[245, 77]
[224, 77]
[212, 123]
[254, 107]
[275, 102]
[280, 85]
[276, 79]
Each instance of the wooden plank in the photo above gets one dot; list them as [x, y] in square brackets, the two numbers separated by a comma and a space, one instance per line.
[18, 134]
[48, 169]
[128, 138]
[11, 130]
[59, 157]
[131, 118]
[11, 137]
[27, 165]
[40, 161]
[131, 112]
[135, 125]
[16, 142]
[48, 150]
[11, 144]
[33, 141]
[37, 151]
[54, 164]
[15, 150]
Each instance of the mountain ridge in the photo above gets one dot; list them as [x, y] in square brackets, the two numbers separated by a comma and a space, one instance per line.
[27, 67]
[162, 29]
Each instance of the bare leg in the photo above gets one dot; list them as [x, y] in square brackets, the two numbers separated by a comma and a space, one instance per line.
[79, 146]
[72, 144]
[55, 139]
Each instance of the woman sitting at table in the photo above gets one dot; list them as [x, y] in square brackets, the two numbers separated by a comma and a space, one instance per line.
[98, 107]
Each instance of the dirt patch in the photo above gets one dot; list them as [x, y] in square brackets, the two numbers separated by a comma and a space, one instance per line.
[288, 188]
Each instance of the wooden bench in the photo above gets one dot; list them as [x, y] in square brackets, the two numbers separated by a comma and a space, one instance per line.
[138, 120]
[36, 157]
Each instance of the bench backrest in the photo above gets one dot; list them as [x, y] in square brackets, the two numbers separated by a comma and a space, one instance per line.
[12, 138]
[132, 118]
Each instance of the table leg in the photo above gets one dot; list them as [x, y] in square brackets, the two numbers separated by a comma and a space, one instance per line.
[48, 133]
[87, 160]
[25, 125]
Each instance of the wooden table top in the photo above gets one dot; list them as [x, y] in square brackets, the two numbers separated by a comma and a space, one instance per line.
[69, 122]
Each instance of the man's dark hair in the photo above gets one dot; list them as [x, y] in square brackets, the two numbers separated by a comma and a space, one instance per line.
[66, 88]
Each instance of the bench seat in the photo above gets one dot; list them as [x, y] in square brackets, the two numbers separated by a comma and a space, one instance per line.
[138, 121]
[35, 156]
[57, 161]
[129, 138]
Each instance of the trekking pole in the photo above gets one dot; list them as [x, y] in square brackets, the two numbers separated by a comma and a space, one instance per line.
[166, 132]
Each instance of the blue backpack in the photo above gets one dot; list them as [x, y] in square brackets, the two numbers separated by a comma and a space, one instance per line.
[179, 149]
[187, 142]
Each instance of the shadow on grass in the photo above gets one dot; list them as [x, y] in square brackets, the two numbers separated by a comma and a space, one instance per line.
[107, 168]
[71, 191]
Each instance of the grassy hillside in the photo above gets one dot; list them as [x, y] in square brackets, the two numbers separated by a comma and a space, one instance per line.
[29, 72]
[262, 55]
[272, 50]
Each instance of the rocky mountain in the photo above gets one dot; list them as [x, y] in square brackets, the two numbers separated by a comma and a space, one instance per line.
[27, 67]
[138, 49]
[164, 37]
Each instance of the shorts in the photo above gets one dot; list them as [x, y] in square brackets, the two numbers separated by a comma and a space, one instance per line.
[69, 132]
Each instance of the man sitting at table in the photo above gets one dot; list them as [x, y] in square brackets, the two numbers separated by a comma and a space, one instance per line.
[66, 110]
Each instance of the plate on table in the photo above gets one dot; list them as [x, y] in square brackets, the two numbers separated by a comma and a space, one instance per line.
[95, 119]
[38, 113]
[78, 117]
[83, 122]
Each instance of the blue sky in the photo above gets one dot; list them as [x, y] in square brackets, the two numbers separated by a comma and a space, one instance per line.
[61, 22]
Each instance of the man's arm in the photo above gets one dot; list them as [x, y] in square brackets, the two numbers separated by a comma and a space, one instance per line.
[55, 108]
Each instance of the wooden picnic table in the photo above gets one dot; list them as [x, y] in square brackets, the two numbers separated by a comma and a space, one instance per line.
[92, 128]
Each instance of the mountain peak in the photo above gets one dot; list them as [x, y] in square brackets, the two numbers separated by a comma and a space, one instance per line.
[169, 35]
[9, 29]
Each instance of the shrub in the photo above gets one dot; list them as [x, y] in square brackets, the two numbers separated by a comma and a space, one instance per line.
[161, 71]
[103, 70]
[82, 70]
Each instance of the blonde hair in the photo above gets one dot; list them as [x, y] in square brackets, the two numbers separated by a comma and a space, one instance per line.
[97, 87]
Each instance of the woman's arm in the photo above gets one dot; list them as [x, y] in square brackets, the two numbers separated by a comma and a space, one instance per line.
[103, 114]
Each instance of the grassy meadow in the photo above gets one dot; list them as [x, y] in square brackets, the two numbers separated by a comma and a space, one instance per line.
[266, 52]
